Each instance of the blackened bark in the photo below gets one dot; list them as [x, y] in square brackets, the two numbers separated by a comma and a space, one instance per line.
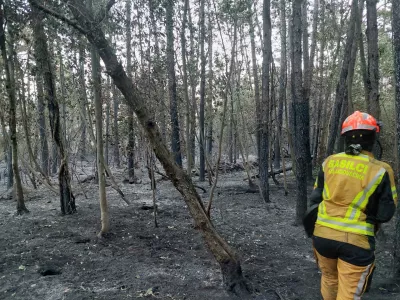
[10, 87]
[265, 100]
[44, 147]
[115, 129]
[189, 157]
[83, 100]
[67, 199]
[373, 58]
[282, 83]
[256, 79]
[202, 90]
[131, 129]
[175, 139]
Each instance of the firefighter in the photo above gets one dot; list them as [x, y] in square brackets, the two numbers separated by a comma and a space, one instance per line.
[354, 193]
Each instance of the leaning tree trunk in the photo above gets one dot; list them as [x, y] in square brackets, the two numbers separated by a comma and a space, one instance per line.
[10, 86]
[224, 254]
[67, 199]
[396, 52]
[175, 139]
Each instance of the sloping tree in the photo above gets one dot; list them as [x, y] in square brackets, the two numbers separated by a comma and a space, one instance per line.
[87, 23]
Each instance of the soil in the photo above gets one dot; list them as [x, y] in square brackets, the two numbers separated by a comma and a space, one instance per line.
[47, 256]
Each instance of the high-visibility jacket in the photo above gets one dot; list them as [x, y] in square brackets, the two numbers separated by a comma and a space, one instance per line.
[355, 193]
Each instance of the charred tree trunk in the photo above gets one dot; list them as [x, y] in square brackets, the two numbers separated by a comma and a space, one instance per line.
[44, 147]
[265, 101]
[83, 100]
[282, 83]
[301, 111]
[10, 87]
[175, 139]
[116, 130]
[131, 130]
[373, 59]
[256, 80]
[202, 90]
[67, 199]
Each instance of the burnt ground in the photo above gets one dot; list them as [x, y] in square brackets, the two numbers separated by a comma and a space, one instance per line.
[47, 256]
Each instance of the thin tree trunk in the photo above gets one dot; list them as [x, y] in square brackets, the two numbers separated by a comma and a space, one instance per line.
[116, 130]
[282, 83]
[202, 90]
[105, 221]
[10, 86]
[265, 101]
[130, 123]
[373, 58]
[175, 139]
[300, 110]
[83, 100]
[189, 157]
[210, 115]
[256, 80]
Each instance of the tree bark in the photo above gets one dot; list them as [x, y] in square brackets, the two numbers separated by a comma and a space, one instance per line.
[189, 157]
[44, 147]
[265, 101]
[116, 130]
[256, 79]
[10, 87]
[131, 130]
[301, 112]
[202, 90]
[83, 100]
[175, 139]
[67, 199]
[282, 82]
[373, 59]
[224, 254]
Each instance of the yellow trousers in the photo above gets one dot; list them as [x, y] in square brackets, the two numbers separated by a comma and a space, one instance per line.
[341, 280]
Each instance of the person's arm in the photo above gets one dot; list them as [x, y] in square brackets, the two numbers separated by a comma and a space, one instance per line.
[316, 195]
[381, 206]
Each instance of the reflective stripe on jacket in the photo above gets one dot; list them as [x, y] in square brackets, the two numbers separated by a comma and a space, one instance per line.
[355, 193]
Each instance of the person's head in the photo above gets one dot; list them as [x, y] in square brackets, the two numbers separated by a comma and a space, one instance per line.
[359, 129]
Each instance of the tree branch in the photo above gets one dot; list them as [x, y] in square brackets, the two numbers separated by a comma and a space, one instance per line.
[58, 16]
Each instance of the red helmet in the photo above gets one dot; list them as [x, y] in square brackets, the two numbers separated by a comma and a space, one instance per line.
[360, 121]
